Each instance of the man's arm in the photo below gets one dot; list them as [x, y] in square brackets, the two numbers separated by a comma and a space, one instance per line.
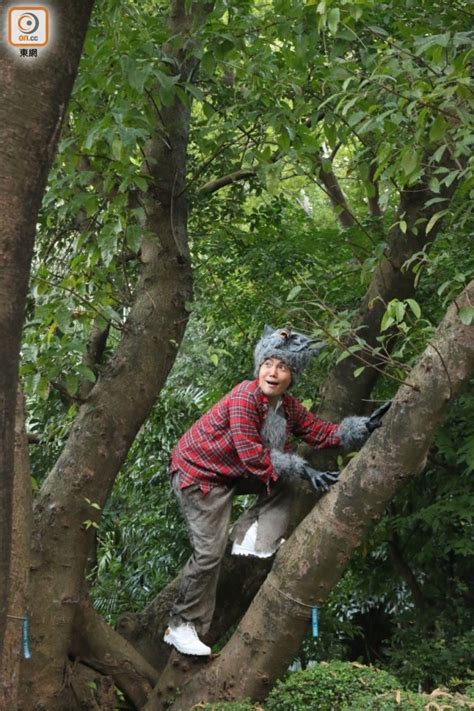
[351, 433]
[313, 429]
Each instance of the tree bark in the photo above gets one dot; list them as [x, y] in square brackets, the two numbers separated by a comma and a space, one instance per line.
[312, 561]
[20, 565]
[122, 397]
[38, 92]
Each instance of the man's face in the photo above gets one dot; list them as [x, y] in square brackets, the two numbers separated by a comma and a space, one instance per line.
[274, 377]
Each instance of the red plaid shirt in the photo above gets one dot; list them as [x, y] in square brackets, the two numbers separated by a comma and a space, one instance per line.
[225, 442]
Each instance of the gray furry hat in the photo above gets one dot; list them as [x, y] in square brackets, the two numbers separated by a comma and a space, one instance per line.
[294, 348]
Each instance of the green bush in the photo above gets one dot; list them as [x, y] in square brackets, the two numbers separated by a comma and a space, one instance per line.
[241, 705]
[328, 687]
[390, 701]
[409, 701]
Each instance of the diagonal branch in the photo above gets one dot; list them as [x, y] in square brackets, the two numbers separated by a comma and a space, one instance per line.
[213, 185]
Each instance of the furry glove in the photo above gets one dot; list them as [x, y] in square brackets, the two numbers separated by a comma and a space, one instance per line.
[291, 465]
[354, 431]
[320, 481]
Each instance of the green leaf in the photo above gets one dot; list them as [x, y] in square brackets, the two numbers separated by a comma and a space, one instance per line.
[133, 237]
[358, 371]
[438, 129]
[387, 321]
[378, 30]
[141, 182]
[293, 293]
[195, 91]
[409, 161]
[334, 15]
[399, 310]
[72, 383]
[414, 307]
[86, 373]
[466, 314]
[434, 219]
[43, 388]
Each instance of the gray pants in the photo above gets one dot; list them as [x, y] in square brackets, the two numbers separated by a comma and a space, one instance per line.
[208, 518]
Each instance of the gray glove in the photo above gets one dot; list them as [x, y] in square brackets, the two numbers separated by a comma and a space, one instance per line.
[320, 481]
[289, 465]
[354, 431]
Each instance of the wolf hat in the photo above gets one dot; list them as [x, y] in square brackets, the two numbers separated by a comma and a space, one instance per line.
[295, 349]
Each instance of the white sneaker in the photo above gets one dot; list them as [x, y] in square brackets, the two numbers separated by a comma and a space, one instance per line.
[247, 546]
[184, 637]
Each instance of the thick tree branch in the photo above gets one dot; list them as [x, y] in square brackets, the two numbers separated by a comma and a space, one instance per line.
[333, 190]
[93, 356]
[373, 195]
[100, 647]
[214, 185]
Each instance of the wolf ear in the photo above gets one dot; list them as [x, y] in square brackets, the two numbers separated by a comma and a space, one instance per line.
[318, 346]
[268, 330]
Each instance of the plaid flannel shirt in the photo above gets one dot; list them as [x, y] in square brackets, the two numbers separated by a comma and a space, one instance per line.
[225, 442]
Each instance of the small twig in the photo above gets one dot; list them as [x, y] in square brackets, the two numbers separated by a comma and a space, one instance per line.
[445, 370]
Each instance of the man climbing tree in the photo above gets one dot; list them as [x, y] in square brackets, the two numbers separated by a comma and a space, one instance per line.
[240, 447]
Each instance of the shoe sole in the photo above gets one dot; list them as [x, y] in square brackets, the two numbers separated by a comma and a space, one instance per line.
[238, 550]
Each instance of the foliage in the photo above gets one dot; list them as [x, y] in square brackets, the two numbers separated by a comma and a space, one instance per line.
[241, 705]
[389, 701]
[441, 658]
[400, 700]
[328, 686]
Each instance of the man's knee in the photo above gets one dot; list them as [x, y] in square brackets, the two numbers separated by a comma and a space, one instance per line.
[208, 559]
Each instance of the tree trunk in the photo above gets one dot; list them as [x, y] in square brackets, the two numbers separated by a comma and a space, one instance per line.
[33, 97]
[121, 399]
[20, 564]
[312, 561]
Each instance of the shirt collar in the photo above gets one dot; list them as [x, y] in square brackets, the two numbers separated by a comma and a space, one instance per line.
[263, 400]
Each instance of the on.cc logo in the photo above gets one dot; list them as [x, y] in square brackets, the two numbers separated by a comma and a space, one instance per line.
[28, 26]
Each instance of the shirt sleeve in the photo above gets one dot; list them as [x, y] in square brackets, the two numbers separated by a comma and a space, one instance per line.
[313, 429]
[244, 427]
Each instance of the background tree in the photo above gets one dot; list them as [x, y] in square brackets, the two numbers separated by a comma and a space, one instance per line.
[39, 93]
